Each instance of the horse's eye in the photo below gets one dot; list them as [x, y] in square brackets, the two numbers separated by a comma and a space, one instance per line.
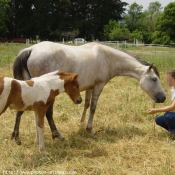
[154, 79]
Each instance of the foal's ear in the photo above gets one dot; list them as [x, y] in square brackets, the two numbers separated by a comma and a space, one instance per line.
[150, 67]
[74, 77]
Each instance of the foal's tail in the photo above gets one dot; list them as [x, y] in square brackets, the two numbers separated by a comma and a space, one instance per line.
[20, 69]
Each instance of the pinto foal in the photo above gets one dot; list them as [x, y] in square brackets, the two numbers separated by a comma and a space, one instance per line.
[37, 94]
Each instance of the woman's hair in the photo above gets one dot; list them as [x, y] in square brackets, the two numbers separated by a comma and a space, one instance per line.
[172, 73]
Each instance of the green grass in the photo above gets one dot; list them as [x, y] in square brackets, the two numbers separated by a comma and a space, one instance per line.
[127, 140]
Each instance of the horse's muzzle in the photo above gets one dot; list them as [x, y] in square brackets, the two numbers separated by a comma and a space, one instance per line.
[79, 100]
[160, 98]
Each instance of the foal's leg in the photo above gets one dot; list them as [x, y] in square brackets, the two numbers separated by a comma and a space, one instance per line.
[15, 133]
[86, 104]
[95, 95]
[39, 118]
[49, 116]
[36, 125]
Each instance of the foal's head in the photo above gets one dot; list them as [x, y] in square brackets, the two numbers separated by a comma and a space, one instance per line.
[71, 86]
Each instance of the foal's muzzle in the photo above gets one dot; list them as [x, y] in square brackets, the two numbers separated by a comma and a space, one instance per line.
[78, 101]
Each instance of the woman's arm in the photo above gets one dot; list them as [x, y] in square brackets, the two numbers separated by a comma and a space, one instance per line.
[164, 109]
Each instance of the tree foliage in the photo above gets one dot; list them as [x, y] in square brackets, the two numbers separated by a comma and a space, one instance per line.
[133, 17]
[116, 31]
[3, 17]
[51, 19]
[165, 33]
[151, 14]
[142, 24]
[97, 19]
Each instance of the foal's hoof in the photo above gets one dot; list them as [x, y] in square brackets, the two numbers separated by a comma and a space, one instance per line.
[44, 152]
[90, 131]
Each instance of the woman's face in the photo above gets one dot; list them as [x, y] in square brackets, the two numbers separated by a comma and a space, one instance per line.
[170, 80]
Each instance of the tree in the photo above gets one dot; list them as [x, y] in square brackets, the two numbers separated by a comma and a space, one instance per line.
[115, 31]
[3, 17]
[21, 20]
[108, 29]
[50, 19]
[151, 15]
[149, 19]
[133, 19]
[137, 34]
[165, 26]
[90, 16]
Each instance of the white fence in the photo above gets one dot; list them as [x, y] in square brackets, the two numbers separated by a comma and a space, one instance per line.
[125, 44]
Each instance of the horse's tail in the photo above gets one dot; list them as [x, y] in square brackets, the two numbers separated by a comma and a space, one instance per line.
[20, 69]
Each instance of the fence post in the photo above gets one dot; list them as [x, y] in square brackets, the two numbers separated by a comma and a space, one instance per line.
[117, 44]
[27, 41]
[136, 42]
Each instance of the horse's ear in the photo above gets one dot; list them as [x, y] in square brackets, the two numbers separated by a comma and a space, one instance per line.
[150, 67]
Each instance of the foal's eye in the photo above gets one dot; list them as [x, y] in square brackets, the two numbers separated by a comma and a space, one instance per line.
[154, 79]
[77, 86]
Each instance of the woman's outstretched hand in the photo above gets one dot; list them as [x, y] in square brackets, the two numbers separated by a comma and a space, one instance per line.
[151, 111]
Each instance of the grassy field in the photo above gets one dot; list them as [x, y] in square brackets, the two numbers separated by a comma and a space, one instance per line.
[127, 141]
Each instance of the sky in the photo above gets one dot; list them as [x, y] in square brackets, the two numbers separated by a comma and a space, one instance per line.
[145, 3]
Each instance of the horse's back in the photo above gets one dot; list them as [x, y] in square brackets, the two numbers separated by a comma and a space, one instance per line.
[85, 60]
[50, 48]
[55, 56]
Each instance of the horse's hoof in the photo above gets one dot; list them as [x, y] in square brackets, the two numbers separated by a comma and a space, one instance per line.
[90, 131]
[60, 137]
[16, 140]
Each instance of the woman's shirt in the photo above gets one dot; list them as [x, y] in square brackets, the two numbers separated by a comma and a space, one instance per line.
[172, 94]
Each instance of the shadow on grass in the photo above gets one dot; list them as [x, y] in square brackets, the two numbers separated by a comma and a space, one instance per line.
[121, 132]
[77, 144]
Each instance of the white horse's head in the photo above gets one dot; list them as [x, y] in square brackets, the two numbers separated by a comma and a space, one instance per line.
[150, 83]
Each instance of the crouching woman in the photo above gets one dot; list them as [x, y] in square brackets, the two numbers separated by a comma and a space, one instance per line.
[167, 120]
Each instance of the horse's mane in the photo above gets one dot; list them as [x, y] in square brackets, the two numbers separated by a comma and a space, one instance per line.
[144, 62]
[141, 61]
[136, 57]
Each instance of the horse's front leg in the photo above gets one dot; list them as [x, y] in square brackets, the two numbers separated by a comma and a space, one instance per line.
[49, 116]
[86, 104]
[15, 133]
[95, 95]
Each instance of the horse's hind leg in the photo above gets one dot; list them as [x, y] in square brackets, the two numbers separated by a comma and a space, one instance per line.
[87, 103]
[15, 133]
[49, 116]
